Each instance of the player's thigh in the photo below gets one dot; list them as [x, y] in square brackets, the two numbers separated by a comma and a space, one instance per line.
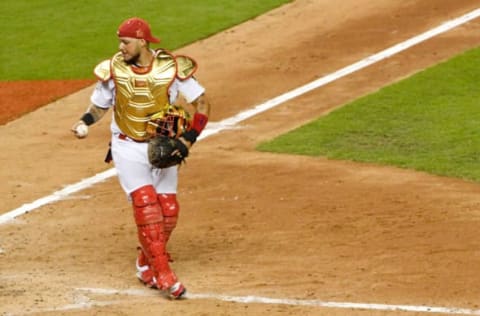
[165, 180]
[131, 164]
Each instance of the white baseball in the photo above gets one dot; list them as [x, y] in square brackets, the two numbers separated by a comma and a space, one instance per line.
[81, 130]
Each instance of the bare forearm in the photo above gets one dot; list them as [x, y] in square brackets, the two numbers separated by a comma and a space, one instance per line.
[93, 114]
[202, 105]
[200, 119]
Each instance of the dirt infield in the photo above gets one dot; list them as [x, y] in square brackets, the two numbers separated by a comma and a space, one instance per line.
[253, 224]
[21, 97]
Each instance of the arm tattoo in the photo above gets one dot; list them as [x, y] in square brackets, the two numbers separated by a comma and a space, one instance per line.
[93, 114]
[97, 112]
[202, 105]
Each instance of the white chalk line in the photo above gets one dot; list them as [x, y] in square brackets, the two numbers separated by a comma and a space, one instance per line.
[230, 123]
[89, 303]
[58, 195]
[234, 120]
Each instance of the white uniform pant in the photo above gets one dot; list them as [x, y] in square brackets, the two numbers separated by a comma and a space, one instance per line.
[135, 171]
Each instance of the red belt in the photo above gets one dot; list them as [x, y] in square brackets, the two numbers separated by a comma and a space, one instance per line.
[125, 137]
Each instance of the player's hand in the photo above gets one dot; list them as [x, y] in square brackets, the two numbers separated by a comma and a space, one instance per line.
[185, 142]
[80, 129]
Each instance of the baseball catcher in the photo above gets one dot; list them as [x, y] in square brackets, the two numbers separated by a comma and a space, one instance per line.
[141, 85]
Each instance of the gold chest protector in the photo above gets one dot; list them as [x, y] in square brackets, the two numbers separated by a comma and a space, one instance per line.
[140, 95]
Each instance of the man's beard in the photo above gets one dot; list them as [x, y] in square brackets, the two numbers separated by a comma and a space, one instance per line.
[133, 60]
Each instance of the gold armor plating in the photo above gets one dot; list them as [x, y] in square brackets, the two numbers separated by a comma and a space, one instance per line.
[186, 67]
[139, 96]
[102, 70]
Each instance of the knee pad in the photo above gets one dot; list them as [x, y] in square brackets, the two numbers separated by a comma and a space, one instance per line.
[169, 203]
[147, 209]
[170, 210]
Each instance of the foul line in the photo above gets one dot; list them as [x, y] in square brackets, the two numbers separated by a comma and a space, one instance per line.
[341, 305]
[263, 300]
[232, 121]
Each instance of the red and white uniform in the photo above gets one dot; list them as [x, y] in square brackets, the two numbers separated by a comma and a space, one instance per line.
[130, 157]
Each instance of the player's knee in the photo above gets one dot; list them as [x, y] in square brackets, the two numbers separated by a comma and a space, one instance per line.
[146, 208]
[144, 196]
[170, 210]
[169, 204]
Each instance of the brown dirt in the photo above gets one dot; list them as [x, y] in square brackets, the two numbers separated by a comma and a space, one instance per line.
[254, 223]
[21, 97]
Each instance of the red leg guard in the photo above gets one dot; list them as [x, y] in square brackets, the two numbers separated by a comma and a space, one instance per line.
[170, 210]
[144, 272]
[149, 220]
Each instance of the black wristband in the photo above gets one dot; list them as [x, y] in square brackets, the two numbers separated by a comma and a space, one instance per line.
[88, 118]
[182, 148]
[190, 135]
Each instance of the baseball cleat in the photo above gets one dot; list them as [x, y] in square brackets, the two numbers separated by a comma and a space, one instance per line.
[177, 291]
[145, 275]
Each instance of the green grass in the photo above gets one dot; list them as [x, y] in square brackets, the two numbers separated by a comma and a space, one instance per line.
[64, 39]
[428, 122]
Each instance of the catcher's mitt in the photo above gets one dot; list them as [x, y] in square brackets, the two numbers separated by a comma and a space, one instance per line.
[164, 152]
